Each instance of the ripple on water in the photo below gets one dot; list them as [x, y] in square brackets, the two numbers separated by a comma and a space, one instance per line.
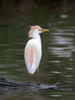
[55, 72]
[61, 51]
[63, 16]
[56, 95]
[8, 65]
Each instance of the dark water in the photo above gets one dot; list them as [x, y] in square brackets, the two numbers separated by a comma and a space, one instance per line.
[58, 60]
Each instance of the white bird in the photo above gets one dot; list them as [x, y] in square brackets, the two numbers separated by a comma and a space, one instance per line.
[33, 49]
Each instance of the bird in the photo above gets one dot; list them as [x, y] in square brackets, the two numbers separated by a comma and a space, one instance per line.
[33, 50]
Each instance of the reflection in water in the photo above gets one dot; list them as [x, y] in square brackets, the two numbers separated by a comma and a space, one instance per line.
[24, 95]
[62, 45]
[63, 16]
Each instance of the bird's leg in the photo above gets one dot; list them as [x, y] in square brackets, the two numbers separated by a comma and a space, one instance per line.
[38, 81]
[29, 77]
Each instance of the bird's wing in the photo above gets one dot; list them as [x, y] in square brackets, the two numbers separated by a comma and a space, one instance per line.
[32, 56]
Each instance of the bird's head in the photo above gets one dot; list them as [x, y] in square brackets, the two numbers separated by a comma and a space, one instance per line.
[35, 30]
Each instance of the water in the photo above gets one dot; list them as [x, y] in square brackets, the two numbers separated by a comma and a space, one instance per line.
[58, 60]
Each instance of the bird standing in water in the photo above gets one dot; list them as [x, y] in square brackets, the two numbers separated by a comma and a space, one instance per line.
[33, 50]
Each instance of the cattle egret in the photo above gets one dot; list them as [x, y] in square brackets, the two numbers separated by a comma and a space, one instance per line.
[33, 49]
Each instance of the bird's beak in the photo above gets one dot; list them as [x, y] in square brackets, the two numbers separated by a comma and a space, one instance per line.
[44, 30]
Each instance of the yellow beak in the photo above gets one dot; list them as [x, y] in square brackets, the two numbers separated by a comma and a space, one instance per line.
[46, 30]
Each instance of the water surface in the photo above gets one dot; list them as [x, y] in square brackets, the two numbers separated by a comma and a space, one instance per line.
[58, 59]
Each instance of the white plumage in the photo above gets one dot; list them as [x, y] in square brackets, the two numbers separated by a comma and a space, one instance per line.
[33, 52]
[32, 55]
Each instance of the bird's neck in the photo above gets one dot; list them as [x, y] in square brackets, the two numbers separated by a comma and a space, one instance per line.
[37, 37]
[34, 34]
